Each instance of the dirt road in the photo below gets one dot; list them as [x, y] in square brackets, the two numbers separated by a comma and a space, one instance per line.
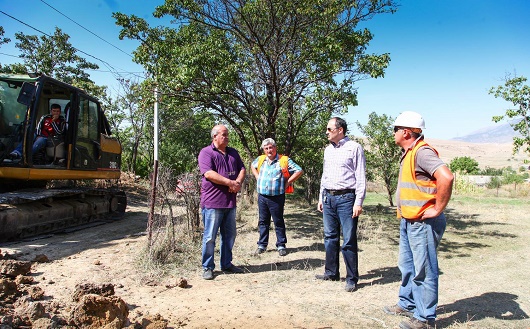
[484, 259]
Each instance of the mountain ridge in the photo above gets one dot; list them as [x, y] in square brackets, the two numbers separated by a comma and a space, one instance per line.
[493, 155]
[503, 133]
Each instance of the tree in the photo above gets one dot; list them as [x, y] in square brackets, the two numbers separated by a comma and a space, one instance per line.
[382, 154]
[2, 39]
[56, 57]
[488, 171]
[515, 91]
[464, 165]
[130, 115]
[181, 134]
[182, 139]
[510, 176]
[311, 157]
[495, 183]
[268, 68]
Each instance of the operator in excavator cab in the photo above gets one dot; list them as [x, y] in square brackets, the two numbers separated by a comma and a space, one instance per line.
[50, 125]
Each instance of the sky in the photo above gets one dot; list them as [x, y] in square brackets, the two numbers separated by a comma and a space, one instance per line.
[445, 54]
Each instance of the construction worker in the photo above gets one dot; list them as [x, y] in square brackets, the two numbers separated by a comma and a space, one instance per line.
[424, 189]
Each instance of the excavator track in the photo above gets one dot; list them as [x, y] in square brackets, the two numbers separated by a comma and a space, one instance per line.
[32, 212]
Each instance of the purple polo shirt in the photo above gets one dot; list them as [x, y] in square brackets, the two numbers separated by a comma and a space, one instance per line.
[227, 165]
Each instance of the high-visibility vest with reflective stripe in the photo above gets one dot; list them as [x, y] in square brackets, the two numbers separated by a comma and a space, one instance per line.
[415, 196]
[284, 165]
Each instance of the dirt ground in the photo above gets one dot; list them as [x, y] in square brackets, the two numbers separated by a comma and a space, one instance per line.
[484, 260]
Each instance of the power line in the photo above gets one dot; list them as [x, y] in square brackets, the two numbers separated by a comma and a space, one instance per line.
[97, 36]
[139, 72]
[18, 20]
[9, 55]
[108, 65]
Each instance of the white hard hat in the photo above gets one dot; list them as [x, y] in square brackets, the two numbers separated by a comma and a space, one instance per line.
[410, 119]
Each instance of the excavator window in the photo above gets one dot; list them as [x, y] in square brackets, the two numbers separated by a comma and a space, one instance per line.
[87, 138]
[12, 116]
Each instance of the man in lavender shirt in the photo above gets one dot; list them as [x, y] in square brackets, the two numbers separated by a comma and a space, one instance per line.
[342, 192]
[223, 173]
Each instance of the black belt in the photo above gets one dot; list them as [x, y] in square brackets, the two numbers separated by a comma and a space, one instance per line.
[340, 192]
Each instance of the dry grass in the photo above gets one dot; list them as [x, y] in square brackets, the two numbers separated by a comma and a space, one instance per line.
[484, 257]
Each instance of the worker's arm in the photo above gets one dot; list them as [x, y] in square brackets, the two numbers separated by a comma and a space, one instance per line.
[444, 186]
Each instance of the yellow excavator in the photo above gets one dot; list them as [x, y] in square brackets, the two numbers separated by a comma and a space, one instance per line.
[84, 150]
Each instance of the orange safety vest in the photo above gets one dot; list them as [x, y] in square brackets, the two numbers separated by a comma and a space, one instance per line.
[284, 165]
[415, 196]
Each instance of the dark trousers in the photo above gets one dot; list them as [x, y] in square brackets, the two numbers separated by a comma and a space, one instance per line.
[271, 206]
[338, 211]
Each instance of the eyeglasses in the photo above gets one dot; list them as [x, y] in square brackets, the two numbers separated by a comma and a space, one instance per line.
[396, 129]
[332, 129]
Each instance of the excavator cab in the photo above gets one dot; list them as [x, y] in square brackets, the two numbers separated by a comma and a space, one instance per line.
[84, 150]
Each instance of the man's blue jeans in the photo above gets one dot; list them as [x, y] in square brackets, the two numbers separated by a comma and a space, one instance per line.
[418, 263]
[338, 211]
[39, 143]
[215, 220]
[271, 206]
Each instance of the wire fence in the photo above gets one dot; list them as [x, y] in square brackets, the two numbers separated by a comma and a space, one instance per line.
[176, 219]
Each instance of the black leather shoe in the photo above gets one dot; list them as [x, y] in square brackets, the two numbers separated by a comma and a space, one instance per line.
[327, 277]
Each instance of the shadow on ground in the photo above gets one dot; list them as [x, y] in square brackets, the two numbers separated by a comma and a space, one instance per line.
[496, 305]
[382, 275]
[306, 264]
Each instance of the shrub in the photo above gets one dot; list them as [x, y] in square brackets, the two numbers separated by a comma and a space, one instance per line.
[464, 165]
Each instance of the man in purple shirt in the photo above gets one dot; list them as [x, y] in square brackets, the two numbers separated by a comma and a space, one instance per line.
[223, 173]
[342, 192]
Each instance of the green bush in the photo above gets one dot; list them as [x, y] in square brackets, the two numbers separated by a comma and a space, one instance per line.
[464, 165]
[490, 172]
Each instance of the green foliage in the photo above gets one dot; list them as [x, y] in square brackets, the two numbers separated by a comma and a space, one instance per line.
[183, 139]
[56, 57]
[464, 165]
[267, 68]
[182, 133]
[143, 166]
[130, 115]
[511, 177]
[495, 182]
[2, 39]
[309, 154]
[507, 176]
[516, 92]
[488, 171]
[382, 154]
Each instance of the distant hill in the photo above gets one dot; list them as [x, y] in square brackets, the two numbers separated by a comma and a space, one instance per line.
[502, 133]
[494, 155]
